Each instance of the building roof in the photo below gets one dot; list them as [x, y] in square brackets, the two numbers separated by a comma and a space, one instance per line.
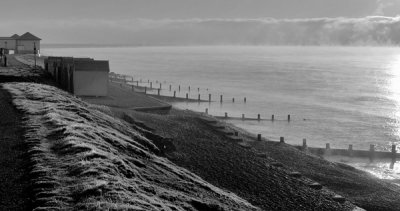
[15, 36]
[28, 36]
[6, 38]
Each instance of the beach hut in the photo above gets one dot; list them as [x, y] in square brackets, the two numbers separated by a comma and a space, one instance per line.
[90, 77]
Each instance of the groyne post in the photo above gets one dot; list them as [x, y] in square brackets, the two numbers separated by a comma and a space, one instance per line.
[220, 99]
[233, 100]
[393, 156]
[174, 94]
[198, 89]
[198, 98]
[189, 88]
[244, 100]
[160, 86]
[351, 150]
[187, 96]
[371, 152]
[158, 92]
[179, 88]
[258, 117]
[258, 137]
[242, 116]
[226, 114]
[273, 117]
[282, 139]
[151, 85]
[170, 87]
[209, 97]
[328, 149]
[304, 144]
[288, 118]
[145, 89]
[206, 110]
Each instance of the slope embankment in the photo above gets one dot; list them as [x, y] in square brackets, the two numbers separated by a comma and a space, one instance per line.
[84, 159]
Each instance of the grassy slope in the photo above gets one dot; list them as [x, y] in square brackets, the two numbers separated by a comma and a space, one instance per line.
[227, 165]
[83, 159]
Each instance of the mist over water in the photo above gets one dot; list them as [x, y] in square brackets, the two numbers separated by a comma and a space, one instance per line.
[336, 95]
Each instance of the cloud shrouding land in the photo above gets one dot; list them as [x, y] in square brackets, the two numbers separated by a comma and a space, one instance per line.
[373, 30]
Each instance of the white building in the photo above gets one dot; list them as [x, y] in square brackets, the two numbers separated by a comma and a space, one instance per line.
[23, 44]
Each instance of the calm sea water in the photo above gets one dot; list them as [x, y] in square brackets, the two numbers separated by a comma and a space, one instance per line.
[336, 95]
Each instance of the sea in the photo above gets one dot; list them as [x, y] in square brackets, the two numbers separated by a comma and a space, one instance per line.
[335, 95]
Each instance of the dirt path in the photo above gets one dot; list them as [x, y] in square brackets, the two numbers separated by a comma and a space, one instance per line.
[14, 179]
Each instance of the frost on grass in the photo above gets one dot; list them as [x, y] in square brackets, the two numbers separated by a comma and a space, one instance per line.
[84, 159]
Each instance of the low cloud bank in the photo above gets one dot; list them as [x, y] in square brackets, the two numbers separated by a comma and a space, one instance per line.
[374, 30]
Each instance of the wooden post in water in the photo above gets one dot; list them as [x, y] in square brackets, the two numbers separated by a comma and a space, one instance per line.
[187, 96]
[221, 98]
[304, 144]
[145, 89]
[242, 116]
[288, 118]
[233, 100]
[209, 97]
[245, 100]
[258, 137]
[206, 110]
[158, 92]
[174, 94]
[258, 117]
[282, 139]
[160, 86]
[189, 88]
[351, 153]
[273, 117]
[170, 87]
[151, 85]
[226, 114]
[393, 156]
[198, 98]
[328, 149]
[371, 152]
[198, 89]
[179, 88]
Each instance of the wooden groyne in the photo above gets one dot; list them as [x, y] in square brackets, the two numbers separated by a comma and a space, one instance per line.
[147, 86]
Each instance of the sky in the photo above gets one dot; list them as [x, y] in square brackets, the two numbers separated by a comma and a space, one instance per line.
[185, 22]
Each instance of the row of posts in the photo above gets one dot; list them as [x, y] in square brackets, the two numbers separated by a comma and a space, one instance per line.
[258, 116]
[350, 150]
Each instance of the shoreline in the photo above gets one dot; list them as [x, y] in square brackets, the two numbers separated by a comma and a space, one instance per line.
[262, 171]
